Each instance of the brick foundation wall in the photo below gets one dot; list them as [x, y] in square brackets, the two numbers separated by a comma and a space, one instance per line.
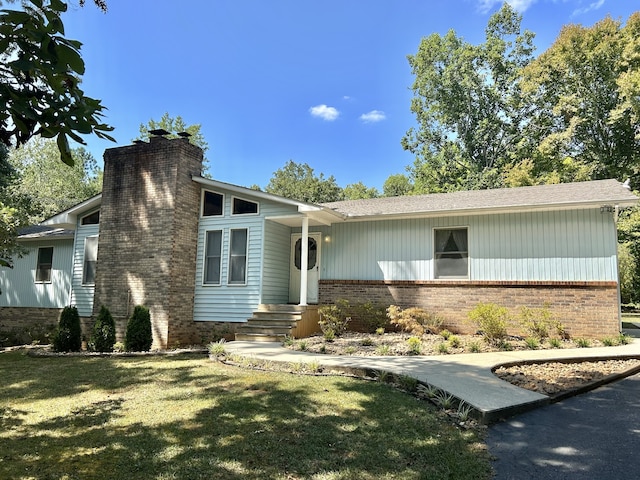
[148, 236]
[586, 309]
[16, 318]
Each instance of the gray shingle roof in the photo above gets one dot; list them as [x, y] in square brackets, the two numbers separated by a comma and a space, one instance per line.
[42, 231]
[591, 193]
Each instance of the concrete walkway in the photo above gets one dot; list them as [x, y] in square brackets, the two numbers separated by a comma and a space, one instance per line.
[468, 377]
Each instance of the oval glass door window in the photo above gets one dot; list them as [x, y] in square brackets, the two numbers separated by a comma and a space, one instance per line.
[312, 256]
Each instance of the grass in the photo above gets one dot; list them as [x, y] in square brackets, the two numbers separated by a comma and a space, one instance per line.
[188, 417]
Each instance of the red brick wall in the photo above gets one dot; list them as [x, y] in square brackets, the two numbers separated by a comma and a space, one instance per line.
[586, 309]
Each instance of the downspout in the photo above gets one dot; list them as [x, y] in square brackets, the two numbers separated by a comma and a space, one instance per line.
[304, 261]
[616, 213]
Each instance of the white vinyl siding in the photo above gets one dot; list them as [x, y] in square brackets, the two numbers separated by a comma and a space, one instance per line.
[18, 286]
[275, 269]
[570, 245]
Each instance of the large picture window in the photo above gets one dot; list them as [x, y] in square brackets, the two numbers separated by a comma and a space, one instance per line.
[238, 257]
[451, 253]
[45, 264]
[212, 256]
[90, 260]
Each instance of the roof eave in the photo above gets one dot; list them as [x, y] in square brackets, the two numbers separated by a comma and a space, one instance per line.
[494, 210]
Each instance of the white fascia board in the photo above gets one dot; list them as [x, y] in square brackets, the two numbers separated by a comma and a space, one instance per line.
[68, 218]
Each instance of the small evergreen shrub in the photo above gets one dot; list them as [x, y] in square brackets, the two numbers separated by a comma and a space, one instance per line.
[138, 337]
[415, 345]
[532, 343]
[415, 320]
[334, 318]
[492, 320]
[68, 337]
[103, 337]
[454, 341]
[539, 322]
[555, 343]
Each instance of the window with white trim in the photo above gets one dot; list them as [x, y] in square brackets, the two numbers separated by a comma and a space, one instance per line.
[44, 265]
[212, 204]
[243, 207]
[90, 260]
[91, 219]
[212, 257]
[451, 253]
[238, 257]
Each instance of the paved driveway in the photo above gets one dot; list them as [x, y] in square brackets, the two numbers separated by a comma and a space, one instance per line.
[592, 436]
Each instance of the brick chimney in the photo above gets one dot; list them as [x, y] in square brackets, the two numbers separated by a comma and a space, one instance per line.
[148, 236]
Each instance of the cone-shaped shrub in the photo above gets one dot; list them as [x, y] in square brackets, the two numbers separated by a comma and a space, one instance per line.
[138, 337]
[104, 332]
[68, 337]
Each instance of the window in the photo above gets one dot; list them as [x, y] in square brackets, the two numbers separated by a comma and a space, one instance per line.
[238, 257]
[212, 255]
[212, 204]
[91, 219]
[312, 256]
[244, 207]
[45, 264]
[451, 253]
[90, 258]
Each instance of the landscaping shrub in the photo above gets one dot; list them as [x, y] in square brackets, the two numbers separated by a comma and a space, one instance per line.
[138, 337]
[492, 320]
[68, 336]
[539, 322]
[369, 316]
[415, 320]
[334, 319]
[104, 332]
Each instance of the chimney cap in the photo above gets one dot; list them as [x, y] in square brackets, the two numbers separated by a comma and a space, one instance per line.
[159, 132]
[139, 141]
[184, 134]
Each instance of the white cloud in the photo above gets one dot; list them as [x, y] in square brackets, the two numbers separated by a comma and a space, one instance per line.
[373, 116]
[519, 5]
[324, 112]
[592, 6]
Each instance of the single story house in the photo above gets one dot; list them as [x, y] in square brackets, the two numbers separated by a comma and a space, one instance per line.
[206, 256]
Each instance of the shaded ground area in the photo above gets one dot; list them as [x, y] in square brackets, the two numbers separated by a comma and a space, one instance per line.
[592, 436]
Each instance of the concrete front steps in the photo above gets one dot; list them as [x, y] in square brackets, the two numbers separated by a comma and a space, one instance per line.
[272, 323]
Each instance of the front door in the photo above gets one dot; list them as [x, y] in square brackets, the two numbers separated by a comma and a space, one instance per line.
[313, 268]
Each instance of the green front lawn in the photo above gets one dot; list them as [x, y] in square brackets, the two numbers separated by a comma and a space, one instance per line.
[186, 417]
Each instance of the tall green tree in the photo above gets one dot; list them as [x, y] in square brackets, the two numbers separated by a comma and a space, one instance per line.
[583, 92]
[397, 185]
[175, 125]
[40, 76]
[299, 182]
[359, 191]
[468, 106]
[49, 186]
[13, 211]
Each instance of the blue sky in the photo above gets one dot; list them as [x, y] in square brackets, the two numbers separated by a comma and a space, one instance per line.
[320, 82]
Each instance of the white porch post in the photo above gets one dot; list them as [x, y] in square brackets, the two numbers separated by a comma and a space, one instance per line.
[304, 260]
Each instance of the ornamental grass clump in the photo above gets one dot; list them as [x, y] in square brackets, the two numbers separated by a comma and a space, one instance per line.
[138, 337]
[103, 337]
[414, 320]
[492, 320]
[68, 337]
